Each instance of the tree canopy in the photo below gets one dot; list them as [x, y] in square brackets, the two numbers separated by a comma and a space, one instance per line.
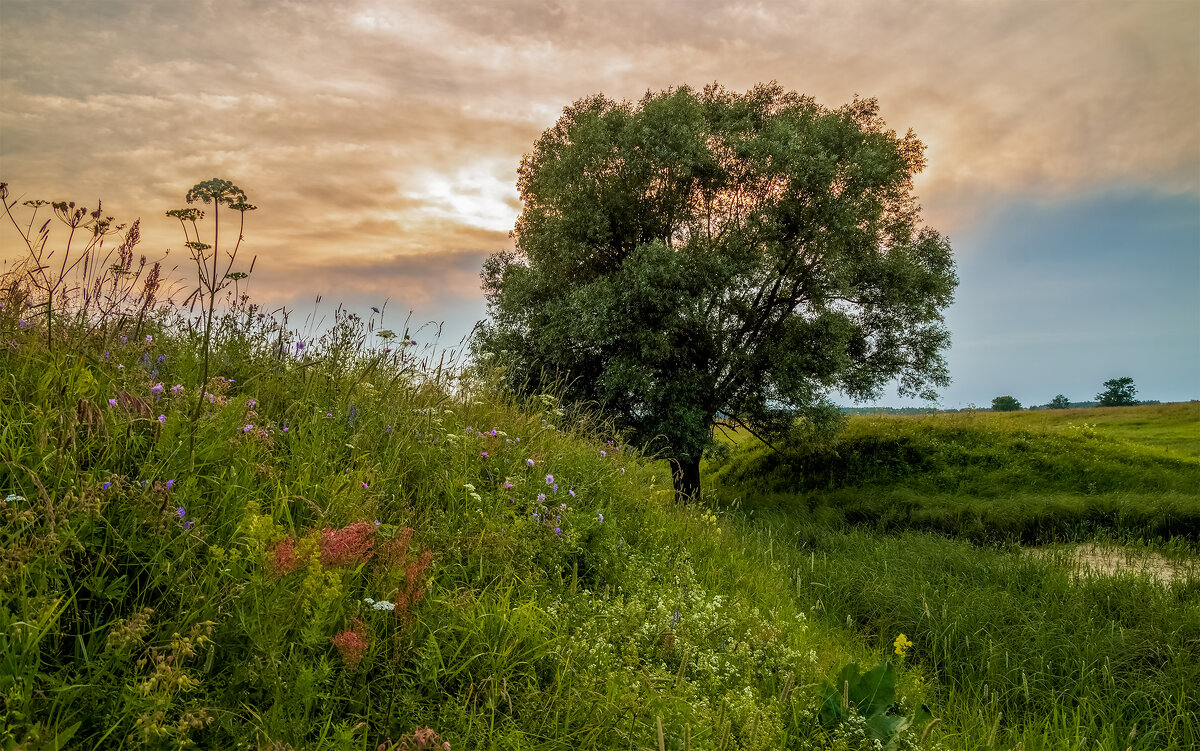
[1118, 392]
[709, 253]
[1005, 404]
[1059, 402]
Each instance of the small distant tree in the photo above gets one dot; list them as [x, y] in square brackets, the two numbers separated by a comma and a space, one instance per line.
[1059, 402]
[1005, 404]
[1118, 392]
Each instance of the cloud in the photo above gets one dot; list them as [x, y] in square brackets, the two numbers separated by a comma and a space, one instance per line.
[375, 136]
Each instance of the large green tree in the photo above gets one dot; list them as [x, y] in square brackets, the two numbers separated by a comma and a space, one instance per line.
[710, 254]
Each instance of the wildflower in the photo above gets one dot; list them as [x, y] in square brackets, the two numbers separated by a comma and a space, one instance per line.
[469, 487]
[901, 644]
[377, 522]
[156, 388]
[299, 346]
[603, 453]
[170, 484]
[162, 419]
[572, 492]
[529, 461]
[365, 486]
[149, 338]
[558, 530]
[601, 517]
[284, 559]
[493, 431]
[507, 485]
[247, 428]
[622, 470]
[112, 402]
[251, 404]
[483, 454]
[177, 388]
[352, 643]
[349, 545]
[285, 430]
[541, 498]
[161, 358]
[384, 605]
[180, 512]
[124, 339]
[22, 323]
[549, 479]
[187, 525]
[106, 486]
[556, 488]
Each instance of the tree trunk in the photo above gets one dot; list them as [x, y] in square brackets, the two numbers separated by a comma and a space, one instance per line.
[685, 474]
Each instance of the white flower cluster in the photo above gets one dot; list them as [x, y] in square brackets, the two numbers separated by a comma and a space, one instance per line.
[380, 604]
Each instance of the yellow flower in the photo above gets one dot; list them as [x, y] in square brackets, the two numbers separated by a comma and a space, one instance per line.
[902, 644]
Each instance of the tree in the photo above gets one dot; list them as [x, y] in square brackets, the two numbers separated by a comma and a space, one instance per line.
[1059, 402]
[1118, 392]
[706, 252]
[1005, 404]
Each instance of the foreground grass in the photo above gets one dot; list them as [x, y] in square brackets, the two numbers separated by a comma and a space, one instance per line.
[916, 525]
[364, 547]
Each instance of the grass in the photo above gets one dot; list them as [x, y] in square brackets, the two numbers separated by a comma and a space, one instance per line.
[357, 554]
[916, 524]
[354, 544]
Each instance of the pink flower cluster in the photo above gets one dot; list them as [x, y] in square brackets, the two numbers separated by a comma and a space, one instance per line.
[352, 643]
[348, 545]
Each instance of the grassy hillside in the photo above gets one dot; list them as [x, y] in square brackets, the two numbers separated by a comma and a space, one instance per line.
[351, 547]
[1032, 477]
[1032, 650]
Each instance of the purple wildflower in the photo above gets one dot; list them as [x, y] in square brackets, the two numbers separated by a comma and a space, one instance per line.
[106, 486]
[549, 479]
[112, 402]
[162, 419]
[149, 338]
[601, 517]
[156, 388]
[541, 498]
[247, 428]
[365, 486]
[603, 454]
[529, 462]
[161, 358]
[180, 512]
[558, 530]
[170, 484]
[251, 404]
[572, 492]
[483, 454]
[177, 388]
[187, 524]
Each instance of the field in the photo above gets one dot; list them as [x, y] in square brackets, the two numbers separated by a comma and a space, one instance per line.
[1043, 563]
[349, 543]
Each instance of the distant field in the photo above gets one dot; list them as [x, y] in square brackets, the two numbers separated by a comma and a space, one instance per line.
[1174, 427]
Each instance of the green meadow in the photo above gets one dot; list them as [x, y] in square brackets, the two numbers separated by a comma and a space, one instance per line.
[351, 542]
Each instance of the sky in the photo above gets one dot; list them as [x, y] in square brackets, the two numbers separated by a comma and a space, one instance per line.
[380, 141]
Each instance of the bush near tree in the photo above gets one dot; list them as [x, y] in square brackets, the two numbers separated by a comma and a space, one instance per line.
[1059, 402]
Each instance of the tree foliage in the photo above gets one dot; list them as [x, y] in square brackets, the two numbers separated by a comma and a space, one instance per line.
[708, 252]
[1005, 404]
[1059, 402]
[1118, 392]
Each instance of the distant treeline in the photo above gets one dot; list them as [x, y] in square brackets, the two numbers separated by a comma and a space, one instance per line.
[936, 410]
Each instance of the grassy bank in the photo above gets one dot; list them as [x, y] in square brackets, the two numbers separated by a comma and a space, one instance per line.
[915, 524]
[350, 546]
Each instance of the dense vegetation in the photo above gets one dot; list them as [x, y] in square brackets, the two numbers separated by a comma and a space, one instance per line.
[344, 541]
